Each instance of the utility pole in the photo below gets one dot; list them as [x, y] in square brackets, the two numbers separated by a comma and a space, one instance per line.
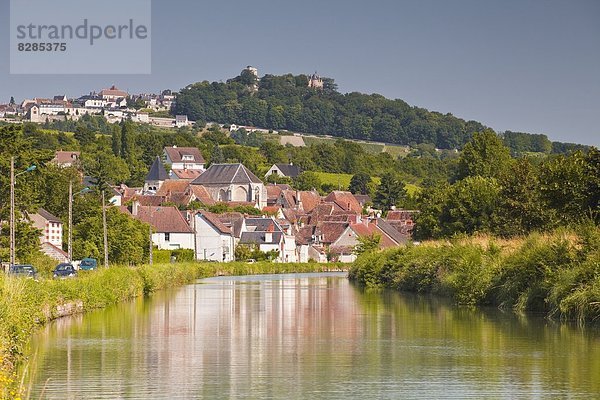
[105, 231]
[12, 205]
[70, 244]
[151, 247]
[12, 211]
[195, 235]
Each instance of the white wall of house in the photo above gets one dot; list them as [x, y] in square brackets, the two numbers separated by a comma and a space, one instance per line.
[173, 241]
[279, 246]
[274, 170]
[347, 258]
[289, 249]
[314, 254]
[302, 251]
[347, 239]
[211, 244]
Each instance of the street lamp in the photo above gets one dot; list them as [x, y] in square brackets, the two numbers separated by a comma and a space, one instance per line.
[12, 205]
[84, 190]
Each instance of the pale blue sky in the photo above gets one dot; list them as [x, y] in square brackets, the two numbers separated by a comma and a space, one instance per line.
[521, 65]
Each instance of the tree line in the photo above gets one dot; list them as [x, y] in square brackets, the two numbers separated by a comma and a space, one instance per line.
[500, 195]
[288, 103]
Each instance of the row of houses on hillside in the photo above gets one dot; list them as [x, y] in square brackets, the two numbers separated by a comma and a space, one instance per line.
[113, 103]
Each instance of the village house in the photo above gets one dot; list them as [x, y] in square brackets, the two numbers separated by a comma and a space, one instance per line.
[65, 159]
[113, 94]
[51, 237]
[284, 170]
[267, 235]
[214, 240]
[171, 230]
[181, 121]
[186, 162]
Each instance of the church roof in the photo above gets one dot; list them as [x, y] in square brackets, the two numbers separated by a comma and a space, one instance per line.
[157, 171]
[226, 174]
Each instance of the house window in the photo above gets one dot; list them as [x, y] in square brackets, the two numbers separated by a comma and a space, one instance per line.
[167, 237]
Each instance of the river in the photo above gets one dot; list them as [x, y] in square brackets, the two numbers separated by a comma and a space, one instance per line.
[308, 336]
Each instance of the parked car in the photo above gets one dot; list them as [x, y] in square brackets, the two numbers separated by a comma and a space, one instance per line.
[88, 264]
[26, 270]
[64, 270]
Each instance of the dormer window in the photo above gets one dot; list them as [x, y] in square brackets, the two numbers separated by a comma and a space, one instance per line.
[187, 157]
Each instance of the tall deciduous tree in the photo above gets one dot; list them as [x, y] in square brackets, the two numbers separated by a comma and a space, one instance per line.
[521, 207]
[485, 155]
[360, 183]
[390, 192]
[307, 181]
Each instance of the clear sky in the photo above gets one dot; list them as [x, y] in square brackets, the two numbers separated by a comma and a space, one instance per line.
[521, 65]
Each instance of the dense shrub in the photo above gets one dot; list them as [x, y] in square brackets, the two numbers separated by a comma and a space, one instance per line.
[557, 273]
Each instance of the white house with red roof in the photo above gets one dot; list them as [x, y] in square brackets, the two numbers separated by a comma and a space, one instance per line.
[184, 158]
[171, 230]
[113, 94]
[214, 240]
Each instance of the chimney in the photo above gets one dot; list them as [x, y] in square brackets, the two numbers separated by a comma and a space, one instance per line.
[135, 206]
[269, 233]
[299, 205]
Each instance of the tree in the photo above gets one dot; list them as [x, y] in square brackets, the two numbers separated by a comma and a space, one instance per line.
[12, 101]
[105, 169]
[127, 139]
[367, 243]
[307, 181]
[485, 155]
[217, 157]
[116, 141]
[571, 185]
[521, 207]
[84, 135]
[469, 206]
[273, 152]
[360, 183]
[27, 242]
[127, 237]
[390, 192]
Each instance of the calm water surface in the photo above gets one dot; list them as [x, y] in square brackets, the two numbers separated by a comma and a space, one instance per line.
[309, 336]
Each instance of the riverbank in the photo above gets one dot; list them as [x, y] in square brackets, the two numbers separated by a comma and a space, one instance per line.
[556, 273]
[26, 305]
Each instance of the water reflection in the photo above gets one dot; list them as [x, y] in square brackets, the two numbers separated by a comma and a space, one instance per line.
[309, 336]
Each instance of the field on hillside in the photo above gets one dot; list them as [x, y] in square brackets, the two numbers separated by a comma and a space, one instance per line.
[342, 181]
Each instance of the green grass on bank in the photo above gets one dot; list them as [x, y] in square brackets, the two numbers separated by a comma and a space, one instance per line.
[556, 273]
[26, 305]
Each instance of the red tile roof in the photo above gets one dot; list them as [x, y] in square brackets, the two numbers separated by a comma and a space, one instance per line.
[202, 195]
[145, 200]
[331, 231]
[66, 157]
[400, 215]
[371, 229]
[187, 174]
[214, 220]
[172, 186]
[176, 153]
[310, 199]
[345, 200]
[163, 219]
